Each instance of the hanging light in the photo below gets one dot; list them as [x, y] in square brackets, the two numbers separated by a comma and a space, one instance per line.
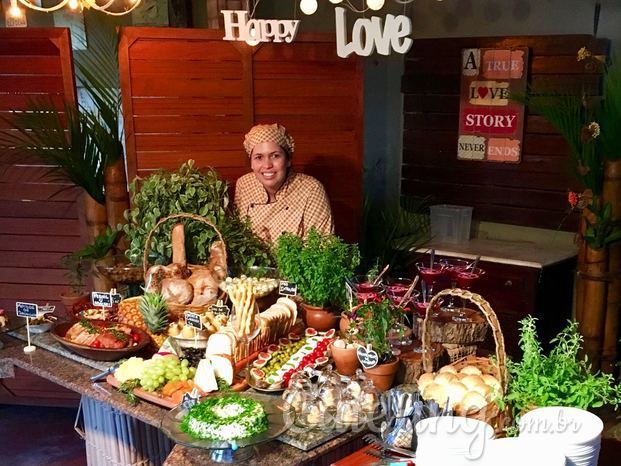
[336, 1]
[375, 4]
[308, 7]
[109, 7]
[14, 10]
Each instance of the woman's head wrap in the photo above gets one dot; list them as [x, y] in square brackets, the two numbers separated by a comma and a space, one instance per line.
[269, 133]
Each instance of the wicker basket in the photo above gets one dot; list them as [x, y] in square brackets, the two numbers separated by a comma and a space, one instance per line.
[490, 413]
[457, 352]
[177, 310]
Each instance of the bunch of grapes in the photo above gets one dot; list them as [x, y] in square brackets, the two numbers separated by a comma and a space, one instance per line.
[160, 371]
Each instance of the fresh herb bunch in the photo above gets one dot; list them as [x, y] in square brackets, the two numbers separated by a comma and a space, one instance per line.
[189, 191]
[559, 379]
[318, 265]
[374, 322]
[127, 388]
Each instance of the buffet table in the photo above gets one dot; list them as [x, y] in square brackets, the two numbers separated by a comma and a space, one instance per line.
[75, 376]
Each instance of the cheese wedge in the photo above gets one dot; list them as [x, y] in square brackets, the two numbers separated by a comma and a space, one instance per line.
[205, 377]
[222, 368]
[220, 343]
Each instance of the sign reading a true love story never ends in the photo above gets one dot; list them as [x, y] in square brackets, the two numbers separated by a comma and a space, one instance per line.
[490, 123]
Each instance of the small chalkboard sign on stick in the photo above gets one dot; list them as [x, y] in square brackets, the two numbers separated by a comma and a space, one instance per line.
[286, 288]
[28, 311]
[193, 320]
[367, 357]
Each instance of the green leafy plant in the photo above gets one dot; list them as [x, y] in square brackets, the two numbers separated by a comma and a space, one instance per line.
[558, 379]
[77, 271]
[189, 190]
[62, 138]
[373, 323]
[392, 234]
[601, 229]
[318, 265]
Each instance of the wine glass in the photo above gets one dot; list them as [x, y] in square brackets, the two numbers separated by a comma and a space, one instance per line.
[465, 280]
[366, 289]
[450, 271]
[430, 274]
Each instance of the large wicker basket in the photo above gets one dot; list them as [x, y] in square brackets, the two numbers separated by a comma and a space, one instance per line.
[490, 413]
[177, 310]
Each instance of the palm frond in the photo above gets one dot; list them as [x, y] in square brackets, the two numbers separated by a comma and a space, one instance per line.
[61, 139]
[97, 70]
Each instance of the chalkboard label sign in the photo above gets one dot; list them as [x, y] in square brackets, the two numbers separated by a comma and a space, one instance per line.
[101, 299]
[287, 288]
[116, 298]
[188, 400]
[367, 357]
[26, 309]
[193, 320]
[220, 309]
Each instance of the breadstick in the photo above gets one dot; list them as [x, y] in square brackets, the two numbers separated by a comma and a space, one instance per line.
[242, 311]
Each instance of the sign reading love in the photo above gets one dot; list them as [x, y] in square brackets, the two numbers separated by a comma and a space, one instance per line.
[367, 357]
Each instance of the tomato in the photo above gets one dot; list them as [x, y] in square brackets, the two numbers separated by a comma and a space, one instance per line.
[96, 344]
[135, 337]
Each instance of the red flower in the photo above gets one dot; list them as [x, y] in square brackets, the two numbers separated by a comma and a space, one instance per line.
[573, 199]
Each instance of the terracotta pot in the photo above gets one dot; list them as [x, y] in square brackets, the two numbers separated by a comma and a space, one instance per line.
[383, 375]
[69, 300]
[345, 359]
[319, 318]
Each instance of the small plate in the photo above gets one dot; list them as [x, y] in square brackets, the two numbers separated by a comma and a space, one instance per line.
[266, 390]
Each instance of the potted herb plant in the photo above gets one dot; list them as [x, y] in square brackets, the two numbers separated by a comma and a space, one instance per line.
[376, 319]
[318, 265]
[344, 352]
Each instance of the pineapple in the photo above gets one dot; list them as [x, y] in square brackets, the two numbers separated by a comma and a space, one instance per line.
[129, 313]
[154, 312]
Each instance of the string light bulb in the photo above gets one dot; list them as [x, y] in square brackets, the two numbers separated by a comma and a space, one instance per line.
[308, 7]
[109, 7]
[73, 4]
[375, 4]
[14, 10]
[336, 2]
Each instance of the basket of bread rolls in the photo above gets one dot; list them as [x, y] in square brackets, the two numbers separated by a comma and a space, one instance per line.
[469, 386]
[186, 287]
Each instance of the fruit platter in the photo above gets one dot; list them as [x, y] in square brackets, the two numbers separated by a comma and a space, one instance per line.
[166, 377]
[273, 367]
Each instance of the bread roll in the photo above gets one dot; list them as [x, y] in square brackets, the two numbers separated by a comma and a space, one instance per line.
[473, 401]
[456, 392]
[471, 381]
[435, 392]
[424, 380]
[492, 382]
[449, 369]
[470, 370]
[484, 390]
[445, 378]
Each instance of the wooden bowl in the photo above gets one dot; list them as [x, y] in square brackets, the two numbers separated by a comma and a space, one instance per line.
[98, 354]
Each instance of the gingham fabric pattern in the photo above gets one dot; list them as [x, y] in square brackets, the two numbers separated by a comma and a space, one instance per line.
[301, 203]
[269, 133]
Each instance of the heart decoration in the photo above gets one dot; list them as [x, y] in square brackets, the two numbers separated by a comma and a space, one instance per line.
[367, 357]
[482, 92]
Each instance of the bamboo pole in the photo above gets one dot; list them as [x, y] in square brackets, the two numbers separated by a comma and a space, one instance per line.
[117, 198]
[612, 194]
[586, 199]
[96, 221]
[594, 276]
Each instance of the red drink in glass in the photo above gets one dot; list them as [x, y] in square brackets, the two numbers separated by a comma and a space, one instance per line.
[466, 278]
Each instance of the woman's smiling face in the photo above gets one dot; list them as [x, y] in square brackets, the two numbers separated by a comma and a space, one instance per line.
[269, 162]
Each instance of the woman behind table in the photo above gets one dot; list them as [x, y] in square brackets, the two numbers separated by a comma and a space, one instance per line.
[273, 196]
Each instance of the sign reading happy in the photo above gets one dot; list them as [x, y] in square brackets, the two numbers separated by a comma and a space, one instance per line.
[490, 123]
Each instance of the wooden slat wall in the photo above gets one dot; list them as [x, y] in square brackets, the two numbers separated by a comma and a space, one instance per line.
[531, 193]
[38, 217]
[189, 94]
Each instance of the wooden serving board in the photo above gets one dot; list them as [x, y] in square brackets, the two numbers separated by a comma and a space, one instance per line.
[239, 386]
